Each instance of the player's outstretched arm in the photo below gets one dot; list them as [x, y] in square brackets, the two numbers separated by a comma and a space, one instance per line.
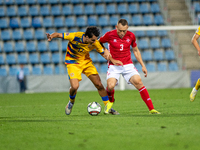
[195, 42]
[54, 35]
[139, 59]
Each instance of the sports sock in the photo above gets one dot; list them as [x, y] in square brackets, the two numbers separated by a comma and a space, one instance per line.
[72, 98]
[105, 99]
[146, 98]
[111, 94]
[197, 84]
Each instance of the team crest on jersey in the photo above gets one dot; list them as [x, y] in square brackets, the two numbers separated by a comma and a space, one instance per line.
[66, 34]
[128, 40]
[114, 40]
[71, 74]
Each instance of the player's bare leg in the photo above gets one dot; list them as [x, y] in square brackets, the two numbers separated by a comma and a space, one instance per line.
[72, 94]
[137, 82]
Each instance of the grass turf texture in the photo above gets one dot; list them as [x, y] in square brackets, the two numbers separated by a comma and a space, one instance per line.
[38, 121]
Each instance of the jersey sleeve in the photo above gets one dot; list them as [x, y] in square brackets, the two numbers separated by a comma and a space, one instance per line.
[198, 31]
[68, 36]
[98, 47]
[104, 38]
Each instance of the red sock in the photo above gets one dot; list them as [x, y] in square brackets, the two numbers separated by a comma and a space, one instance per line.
[110, 95]
[145, 96]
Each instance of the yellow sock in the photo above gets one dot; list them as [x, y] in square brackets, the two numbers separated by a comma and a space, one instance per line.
[105, 102]
[72, 100]
[197, 84]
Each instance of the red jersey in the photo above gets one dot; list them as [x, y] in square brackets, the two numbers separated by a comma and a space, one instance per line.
[119, 48]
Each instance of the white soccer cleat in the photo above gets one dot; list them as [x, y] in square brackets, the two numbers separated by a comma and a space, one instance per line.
[68, 108]
[193, 94]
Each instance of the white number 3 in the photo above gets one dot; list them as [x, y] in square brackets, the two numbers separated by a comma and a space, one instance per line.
[122, 46]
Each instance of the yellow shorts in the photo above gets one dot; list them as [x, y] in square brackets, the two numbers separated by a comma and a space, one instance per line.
[86, 67]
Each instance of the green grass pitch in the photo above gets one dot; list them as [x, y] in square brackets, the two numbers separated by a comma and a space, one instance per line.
[38, 122]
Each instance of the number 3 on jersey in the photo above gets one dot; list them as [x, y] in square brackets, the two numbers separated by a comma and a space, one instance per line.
[121, 47]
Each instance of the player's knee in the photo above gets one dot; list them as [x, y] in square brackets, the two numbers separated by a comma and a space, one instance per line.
[75, 87]
[110, 86]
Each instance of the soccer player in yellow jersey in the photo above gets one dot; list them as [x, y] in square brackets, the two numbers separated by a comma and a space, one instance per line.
[196, 45]
[78, 61]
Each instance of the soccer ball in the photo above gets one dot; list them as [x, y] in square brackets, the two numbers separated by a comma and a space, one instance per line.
[94, 108]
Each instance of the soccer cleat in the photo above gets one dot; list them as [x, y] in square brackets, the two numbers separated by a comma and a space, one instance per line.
[68, 108]
[193, 94]
[108, 107]
[153, 111]
[113, 112]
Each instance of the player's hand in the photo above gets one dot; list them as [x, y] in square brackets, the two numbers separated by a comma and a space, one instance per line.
[117, 63]
[145, 71]
[49, 37]
[106, 54]
[199, 53]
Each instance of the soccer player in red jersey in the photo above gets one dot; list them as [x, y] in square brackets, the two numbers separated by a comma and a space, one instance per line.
[119, 42]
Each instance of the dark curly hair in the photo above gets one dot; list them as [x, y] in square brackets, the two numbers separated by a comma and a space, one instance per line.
[90, 31]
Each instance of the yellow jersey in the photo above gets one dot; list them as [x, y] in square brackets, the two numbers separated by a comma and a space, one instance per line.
[198, 31]
[77, 51]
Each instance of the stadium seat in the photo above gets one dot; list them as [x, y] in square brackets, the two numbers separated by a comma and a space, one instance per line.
[196, 6]
[104, 20]
[105, 29]
[151, 33]
[86, 1]
[28, 34]
[78, 9]
[173, 66]
[158, 19]
[50, 31]
[19, 2]
[81, 21]
[133, 8]
[47, 22]
[53, 1]
[162, 33]
[93, 56]
[45, 10]
[59, 69]
[42, 2]
[45, 58]
[22, 58]
[2, 11]
[128, 18]
[26, 70]
[6, 35]
[89, 9]
[55, 58]
[56, 10]
[97, 1]
[42, 46]
[143, 43]
[162, 66]
[11, 59]
[158, 55]
[4, 23]
[151, 67]
[92, 20]
[103, 68]
[22, 11]
[37, 22]
[64, 45]
[36, 70]
[155, 8]
[8, 47]
[67, 9]
[138, 67]
[169, 54]
[34, 10]
[122, 8]
[139, 34]
[107, 1]
[25, 22]
[65, 1]
[100, 9]
[53, 46]
[70, 21]
[31, 46]
[48, 70]
[2, 59]
[14, 22]
[166, 43]
[19, 46]
[74, 29]
[11, 11]
[137, 20]
[144, 8]
[3, 71]
[58, 21]
[75, 1]
[111, 8]
[148, 19]
[114, 19]
[31, 2]
[34, 58]
[155, 43]
[40, 34]
[13, 71]
[17, 34]
[147, 55]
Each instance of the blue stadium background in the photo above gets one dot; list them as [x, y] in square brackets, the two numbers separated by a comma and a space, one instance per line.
[23, 25]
